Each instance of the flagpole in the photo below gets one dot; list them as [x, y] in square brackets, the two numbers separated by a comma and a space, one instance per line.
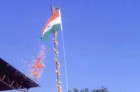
[56, 59]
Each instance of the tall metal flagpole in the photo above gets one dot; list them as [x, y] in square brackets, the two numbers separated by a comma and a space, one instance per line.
[56, 59]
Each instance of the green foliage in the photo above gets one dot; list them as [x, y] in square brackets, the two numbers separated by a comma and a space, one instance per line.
[102, 89]
[75, 90]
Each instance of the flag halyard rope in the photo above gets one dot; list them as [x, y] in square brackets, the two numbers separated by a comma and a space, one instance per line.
[65, 63]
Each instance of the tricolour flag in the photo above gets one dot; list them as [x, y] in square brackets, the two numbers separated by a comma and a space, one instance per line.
[53, 24]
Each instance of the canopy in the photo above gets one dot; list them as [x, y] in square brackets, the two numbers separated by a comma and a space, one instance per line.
[11, 78]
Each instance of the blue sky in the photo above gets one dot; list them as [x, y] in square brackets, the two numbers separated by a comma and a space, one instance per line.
[102, 42]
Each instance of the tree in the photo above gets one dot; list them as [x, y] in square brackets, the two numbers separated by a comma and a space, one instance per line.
[100, 90]
[69, 91]
[75, 90]
[82, 91]
[86, 90]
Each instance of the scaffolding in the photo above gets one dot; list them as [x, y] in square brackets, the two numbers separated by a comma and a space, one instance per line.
[12, 79]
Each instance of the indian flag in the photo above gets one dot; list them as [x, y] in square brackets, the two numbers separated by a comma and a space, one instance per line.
[53, 24]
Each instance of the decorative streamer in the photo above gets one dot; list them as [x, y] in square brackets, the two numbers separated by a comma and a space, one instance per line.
[39, 63]
[57, 63]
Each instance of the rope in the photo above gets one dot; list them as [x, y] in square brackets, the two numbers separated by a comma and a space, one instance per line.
[65, 63]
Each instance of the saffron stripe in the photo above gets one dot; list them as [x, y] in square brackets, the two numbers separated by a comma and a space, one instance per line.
[53, 17]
